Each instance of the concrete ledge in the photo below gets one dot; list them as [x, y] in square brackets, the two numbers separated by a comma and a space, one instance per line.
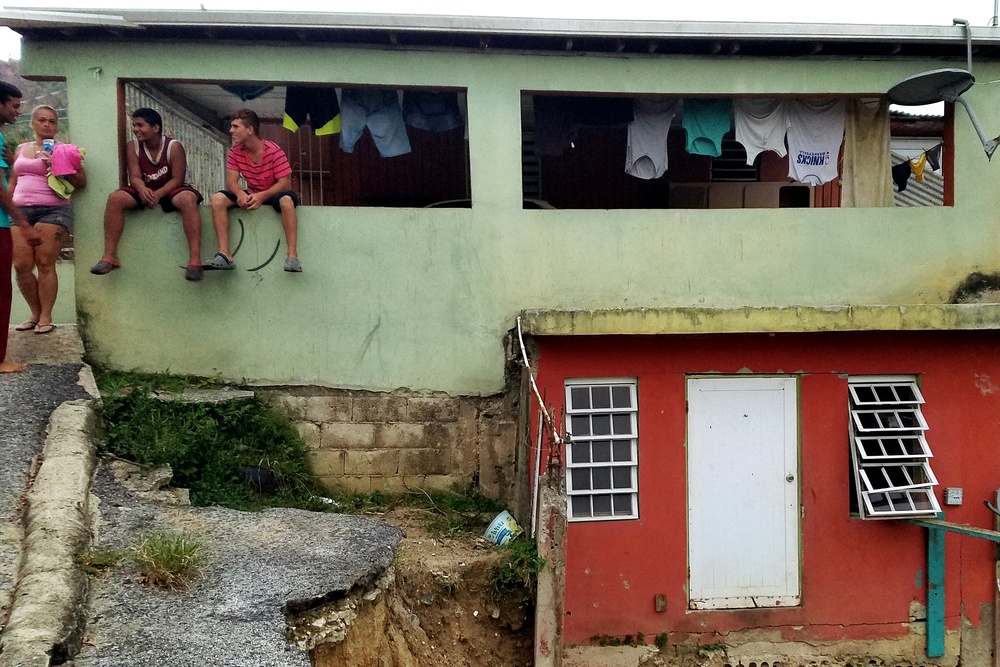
[651, 321]
[47, 614]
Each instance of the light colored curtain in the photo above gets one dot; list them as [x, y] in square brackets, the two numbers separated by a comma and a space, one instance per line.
[866, 179]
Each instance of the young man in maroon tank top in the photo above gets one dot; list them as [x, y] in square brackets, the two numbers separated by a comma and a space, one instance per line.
[265, 169]
[157, 170]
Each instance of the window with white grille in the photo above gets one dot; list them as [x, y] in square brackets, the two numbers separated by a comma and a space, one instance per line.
[602, 456]
[890, 457]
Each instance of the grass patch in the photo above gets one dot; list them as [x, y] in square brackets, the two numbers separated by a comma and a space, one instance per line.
[99, 559]
[208, 445]
[168, 560]
[452, 513]
[515, 576]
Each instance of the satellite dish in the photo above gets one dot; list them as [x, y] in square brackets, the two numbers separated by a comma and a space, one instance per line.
[943, 85]
[939, 85]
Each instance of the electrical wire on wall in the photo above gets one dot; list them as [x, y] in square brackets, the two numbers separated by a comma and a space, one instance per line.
[556, 441]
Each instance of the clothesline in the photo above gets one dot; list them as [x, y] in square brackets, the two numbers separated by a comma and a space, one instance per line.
[809, 130]
[915, 166]
[350, 111]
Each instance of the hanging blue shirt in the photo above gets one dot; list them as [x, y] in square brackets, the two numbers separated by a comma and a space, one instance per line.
[705, 122]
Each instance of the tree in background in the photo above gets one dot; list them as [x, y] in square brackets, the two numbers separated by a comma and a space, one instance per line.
[52, 93]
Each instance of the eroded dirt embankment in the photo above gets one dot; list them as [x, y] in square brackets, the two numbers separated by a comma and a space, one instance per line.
[431, 609]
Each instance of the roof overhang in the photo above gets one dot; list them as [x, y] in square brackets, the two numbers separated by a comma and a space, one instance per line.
[802, 319]
[498, 33]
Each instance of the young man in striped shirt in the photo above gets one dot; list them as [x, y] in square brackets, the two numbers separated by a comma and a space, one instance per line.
[265, 169]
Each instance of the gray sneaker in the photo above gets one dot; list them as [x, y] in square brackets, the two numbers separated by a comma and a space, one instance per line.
[222, 262]
[292, 265]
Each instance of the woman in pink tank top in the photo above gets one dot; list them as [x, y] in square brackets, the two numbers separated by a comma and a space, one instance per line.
[50, 215]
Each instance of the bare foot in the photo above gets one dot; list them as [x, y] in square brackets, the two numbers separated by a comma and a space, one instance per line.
[12, 367]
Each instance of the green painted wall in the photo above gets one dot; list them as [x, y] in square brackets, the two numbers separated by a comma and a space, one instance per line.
[422, 298]
[64, 312]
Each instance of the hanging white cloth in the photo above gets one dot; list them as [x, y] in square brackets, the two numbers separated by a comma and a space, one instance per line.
[646, 156]
[815, 132]
[761, 124]
[867, 177]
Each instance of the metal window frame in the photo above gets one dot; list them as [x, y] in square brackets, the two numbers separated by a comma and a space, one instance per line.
[925, 450]
[878, 496]
[632, 438]
[892, 386]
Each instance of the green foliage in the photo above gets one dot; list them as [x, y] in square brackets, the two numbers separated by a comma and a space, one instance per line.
[458, 512]
[628, 640]
[168, 559]
[207, 445]
[661, 640]
[34, 93]
[716, 646]
[118, 382]
[98, 559]
[515, 576]
[461, 513]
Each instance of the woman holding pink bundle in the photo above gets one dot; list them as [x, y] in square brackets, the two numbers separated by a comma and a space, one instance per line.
[49, 213]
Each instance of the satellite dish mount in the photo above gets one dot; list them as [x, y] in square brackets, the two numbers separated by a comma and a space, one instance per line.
[944, 85]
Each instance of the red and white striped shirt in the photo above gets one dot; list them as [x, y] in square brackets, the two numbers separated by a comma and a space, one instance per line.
[264, 174]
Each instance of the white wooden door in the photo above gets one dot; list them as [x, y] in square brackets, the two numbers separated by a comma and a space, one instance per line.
[743, 500]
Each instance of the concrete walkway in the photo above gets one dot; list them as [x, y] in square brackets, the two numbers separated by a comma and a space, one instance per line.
[36, 454]
[260, 566]
[27, 400]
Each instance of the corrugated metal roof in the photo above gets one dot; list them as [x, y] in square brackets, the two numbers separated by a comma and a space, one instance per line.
[929, 192]
[616, 36]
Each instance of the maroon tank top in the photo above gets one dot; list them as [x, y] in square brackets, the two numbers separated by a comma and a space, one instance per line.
[155, 174]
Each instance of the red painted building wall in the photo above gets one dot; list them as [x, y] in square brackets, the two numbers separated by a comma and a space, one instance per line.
[859, 578]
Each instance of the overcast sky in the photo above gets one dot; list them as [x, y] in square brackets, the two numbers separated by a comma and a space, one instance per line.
[915, 12]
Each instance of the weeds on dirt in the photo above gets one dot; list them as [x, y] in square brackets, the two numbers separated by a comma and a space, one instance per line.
[612, 640]
[661, 640]
[168, 560]
[451, 586]
[209, 446]
[98, 559]
[452, 513]
[516, 574]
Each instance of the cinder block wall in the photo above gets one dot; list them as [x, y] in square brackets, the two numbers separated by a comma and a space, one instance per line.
[367, 441]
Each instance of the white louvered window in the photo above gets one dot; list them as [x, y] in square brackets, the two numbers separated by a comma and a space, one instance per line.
[602, 456]
[890, 457]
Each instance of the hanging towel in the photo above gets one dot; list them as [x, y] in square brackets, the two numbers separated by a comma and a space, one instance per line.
[705, 121]
[558, 119]
[247, 93]
[901, 175]
[867, 176]
[555, 129]
[917, 165]
[934, 157]
[601, 111]
[815, 133]
[646, 154]
[431, 110]
[318, 104]
[761, 124]
[378, 110]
